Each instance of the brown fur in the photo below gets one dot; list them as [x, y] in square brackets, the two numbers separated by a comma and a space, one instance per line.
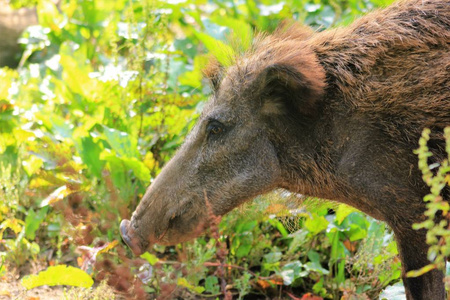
[335, 115]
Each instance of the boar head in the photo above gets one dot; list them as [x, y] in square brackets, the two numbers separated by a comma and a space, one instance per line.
[260, 115]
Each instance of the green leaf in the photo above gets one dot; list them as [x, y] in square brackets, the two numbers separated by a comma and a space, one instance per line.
[221, 51]
[194, 78]
[292, 271]
[342, 212]
[90, 155]
[314, 264]
[76, 71]
[152, 259]
[246, 226]
[212, 284]
[356, 233]
[89, 11]
[241, 32]
[243, 250]
[33, 221]
[278, 225]
[59, 126]
[273, 257]
[337, 247]
[183, 282]
[120, 165]
[32, 165]
[49, 15]
[140, 170]
[121, 142]
[59, 275]
[116, 167]
[316, 224]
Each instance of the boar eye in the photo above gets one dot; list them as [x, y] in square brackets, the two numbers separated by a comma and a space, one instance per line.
[214, 128]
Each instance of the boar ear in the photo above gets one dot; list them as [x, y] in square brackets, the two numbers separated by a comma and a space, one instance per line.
[214, 73]
[286, 88]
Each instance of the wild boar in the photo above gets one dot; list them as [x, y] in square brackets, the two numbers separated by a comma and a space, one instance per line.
[333, 114]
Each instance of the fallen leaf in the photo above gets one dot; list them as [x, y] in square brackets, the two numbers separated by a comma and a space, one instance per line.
[263, 284]
[58, 275]
[309, 296]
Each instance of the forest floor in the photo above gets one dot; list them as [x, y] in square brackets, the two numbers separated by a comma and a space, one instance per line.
[14, 290]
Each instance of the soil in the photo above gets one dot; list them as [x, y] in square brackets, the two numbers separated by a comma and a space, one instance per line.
[14, 290]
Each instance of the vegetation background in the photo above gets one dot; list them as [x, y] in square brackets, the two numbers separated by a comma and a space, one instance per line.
[103, 95]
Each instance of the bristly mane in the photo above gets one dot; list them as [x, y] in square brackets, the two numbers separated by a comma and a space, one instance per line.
[372, 63]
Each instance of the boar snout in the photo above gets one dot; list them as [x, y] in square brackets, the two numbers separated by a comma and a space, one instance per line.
[130, 238]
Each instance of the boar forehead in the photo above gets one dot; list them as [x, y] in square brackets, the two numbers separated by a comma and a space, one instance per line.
[227, 107]
[239, 87]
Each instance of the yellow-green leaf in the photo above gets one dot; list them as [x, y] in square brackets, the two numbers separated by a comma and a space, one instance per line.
[183, 282]
[342, 212]
[224, 53]
[152, 259]
[59, 275]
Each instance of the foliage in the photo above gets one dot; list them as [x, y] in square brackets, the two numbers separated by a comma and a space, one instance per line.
[21, 3]
[437, 177]
[104, 94]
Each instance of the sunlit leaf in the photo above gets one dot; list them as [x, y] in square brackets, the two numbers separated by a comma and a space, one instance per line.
[292, 271]
[241, 32]
[59, 275]
[13, 223]
[183, 282]
[58, 195]
[121, 142]
[152, 259]
[342, 212]
[139, 168]
[421, 271]
[316, 224]
[224, 53]
[108, 246]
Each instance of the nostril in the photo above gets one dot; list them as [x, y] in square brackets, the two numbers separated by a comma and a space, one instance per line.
[129, 239]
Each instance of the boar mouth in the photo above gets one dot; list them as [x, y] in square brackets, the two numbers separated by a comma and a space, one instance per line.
[178, 225]
[131, 239]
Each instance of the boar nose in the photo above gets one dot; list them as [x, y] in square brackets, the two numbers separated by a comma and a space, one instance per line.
[129, 238]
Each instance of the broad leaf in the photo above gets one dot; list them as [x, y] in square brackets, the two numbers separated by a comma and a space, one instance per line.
[59, 275]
